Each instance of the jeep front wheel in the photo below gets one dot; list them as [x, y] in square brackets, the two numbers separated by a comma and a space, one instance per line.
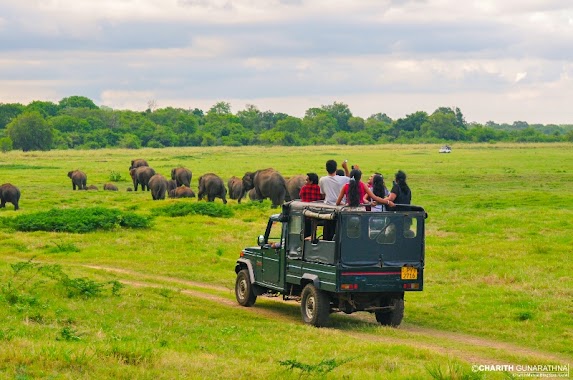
[392, 317]
[315, 306]
[244, 289]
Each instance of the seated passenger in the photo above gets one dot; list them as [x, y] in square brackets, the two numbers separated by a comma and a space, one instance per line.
[310, 192]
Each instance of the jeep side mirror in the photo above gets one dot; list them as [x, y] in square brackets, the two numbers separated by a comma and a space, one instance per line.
[261, 240]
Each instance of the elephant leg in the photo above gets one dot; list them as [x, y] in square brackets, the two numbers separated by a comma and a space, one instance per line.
[3, 204]
[224, 199]
[210, 198]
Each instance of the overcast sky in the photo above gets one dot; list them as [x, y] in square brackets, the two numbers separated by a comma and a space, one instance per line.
[499, 60]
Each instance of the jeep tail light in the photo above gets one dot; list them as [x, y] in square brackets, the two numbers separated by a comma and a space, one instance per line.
[349, 286]
[242, 254]
[411, 286]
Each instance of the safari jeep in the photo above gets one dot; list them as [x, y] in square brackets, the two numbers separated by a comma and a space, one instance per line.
[335, 259]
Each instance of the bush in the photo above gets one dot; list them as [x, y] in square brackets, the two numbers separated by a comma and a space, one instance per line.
[199, 208]
[79, 220]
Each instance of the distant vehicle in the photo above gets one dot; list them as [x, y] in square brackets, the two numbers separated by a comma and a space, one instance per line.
[367, 264]
[446, 149]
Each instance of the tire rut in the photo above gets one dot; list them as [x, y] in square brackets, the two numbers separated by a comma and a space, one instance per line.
[448, 348]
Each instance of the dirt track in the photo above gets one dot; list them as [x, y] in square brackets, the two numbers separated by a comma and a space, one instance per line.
[463, 347]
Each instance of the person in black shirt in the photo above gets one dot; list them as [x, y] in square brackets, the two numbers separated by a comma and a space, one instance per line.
[400, 193]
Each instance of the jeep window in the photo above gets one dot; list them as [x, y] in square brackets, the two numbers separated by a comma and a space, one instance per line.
[410, 227]
[353, 227]
[294, 248]
[274, 235]
[382, 229]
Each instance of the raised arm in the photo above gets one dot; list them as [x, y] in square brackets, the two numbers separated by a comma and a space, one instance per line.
[340, 196]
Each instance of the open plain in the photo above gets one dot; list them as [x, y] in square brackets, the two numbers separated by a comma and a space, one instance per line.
[158, 302]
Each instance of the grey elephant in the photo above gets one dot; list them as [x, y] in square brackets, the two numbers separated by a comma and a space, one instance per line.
[268, 183]
[91, 187]
[141, 176]
[110, 187]
[137, 163]
[235, 186]
[158, 186]
[182, 192]
[79, 179]
[171, 185]
[253, 195]
[293, 185]
[212, 186]
[9, 193]
[182, 176]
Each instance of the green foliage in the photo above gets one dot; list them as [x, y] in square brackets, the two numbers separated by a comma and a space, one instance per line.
[62, 248]
[67, 333]
[454, 370]
[198, 208]
[6, 144]
[30, 131]
[322, 367]
[115, 176]
[79, 220]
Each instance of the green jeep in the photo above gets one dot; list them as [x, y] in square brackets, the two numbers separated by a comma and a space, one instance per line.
[333, 258]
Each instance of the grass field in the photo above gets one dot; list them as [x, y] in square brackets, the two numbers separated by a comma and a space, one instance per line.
[158, 303]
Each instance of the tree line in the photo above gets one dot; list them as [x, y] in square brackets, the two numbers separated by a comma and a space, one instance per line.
[76, 122]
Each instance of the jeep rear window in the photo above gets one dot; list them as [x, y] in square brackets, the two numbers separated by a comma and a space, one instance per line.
[353, 227]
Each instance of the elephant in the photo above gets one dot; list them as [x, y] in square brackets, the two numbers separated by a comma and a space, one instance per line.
[293, 185]
[181, 192]
[182, 176]
[253, 195]
[141, 176]
[235, 186]
[171, 185]
[110, 187]
[91, 187]
[268, 183]
[158, 186]
[9, 193]
[212, 185]
[137, 163]
[79, 179]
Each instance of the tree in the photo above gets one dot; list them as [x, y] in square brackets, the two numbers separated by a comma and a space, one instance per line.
[5, 144]
[30, 131]
[46, 109]
[8, 112]
[341, 113]
[77, 102]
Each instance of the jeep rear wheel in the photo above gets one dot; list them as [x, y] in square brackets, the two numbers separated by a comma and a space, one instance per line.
[315, 306]
[394, 316]
[244, 289]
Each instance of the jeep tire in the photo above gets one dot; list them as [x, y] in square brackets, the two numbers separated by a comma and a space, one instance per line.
[244, 289]
[315, 306]
[391, 317]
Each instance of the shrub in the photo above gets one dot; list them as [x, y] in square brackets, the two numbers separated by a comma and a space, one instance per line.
[199, 208]
[115, 176]
[79, 220]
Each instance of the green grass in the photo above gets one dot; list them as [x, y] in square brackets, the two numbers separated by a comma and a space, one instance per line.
[498, 268]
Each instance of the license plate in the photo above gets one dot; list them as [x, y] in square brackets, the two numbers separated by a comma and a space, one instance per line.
[409, 273]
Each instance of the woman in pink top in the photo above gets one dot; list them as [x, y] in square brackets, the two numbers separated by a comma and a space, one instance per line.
[355, 191]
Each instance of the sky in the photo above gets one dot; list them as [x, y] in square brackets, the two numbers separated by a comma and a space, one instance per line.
[496, 60]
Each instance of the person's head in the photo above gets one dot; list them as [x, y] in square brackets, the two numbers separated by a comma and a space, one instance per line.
[371, 177]
[378, 185]
[331, 166]
[401, 181]
[312, 178]
[340, 172]
[400, 177]
[354, 188]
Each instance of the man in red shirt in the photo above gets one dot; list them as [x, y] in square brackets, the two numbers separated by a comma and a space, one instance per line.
[310, 192]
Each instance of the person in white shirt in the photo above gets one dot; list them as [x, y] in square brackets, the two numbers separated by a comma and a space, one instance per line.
[331, 184]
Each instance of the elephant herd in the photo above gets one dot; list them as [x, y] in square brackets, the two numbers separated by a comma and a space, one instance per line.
[258, 185]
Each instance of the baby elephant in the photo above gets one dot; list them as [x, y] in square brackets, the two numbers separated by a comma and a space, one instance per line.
[181, 192]
[213, 187]
[9, 193]
[110, 187]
